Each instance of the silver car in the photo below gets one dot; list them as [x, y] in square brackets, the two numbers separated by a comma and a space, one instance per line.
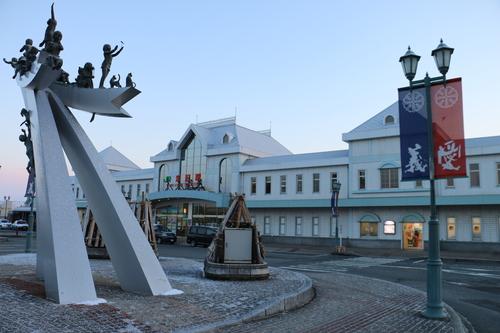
[5, 224]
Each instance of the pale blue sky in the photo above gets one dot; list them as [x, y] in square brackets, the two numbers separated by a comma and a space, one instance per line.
[311, 70]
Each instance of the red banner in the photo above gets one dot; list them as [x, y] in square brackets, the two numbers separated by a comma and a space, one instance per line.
[448, 130]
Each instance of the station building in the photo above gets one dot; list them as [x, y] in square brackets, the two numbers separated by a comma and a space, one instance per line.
[289, 195]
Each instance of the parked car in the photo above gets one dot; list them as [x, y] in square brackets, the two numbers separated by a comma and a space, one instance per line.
[164, 234]
[20, 225]
[201, 235]
[5, 224]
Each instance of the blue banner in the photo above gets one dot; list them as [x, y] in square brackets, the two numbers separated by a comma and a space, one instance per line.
[334, 203]
[413, 134]
[30, 187]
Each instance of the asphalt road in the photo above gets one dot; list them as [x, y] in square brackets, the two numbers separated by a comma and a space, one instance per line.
[472, 289]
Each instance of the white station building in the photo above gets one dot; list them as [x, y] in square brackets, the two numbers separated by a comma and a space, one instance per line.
[289, 195]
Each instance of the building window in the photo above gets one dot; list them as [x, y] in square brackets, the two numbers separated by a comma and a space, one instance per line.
[299, 183]
[225, 139]
[419, 184]
[162, 177]
[389, 120]
[77, 192]
[389, 178]
[298, 226]
[476, 228]
[129, 194]
[333, 178]
[369, 229]
[123, 190]
[498, 174]
[450, 182]
[315, 231]
[225, 169]
[283, 184]
[451, 227]
[268, 185]
[474, 175]
[282, 225]
[192, 159]
[147, 188]
[138, 190]
[267, 225]
[315, 182]
[170, 146]
[389, 227]
[253, 185]
[362, 179]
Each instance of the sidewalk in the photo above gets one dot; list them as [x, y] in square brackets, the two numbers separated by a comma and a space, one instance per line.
[346, 304]
[387, 253]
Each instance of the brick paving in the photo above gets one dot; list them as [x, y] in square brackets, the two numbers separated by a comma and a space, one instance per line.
[344, 303]
[354, 304]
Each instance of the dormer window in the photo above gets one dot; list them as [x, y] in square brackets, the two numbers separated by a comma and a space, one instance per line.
[227, 138]
[170, 146]
[389, 120]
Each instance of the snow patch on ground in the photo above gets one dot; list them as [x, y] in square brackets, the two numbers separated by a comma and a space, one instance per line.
[96, 302]
[20, 259]
[172, 292]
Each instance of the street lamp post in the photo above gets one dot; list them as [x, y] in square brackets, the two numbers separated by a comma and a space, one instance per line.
[442, 56]
[335, 211]
[6, 205]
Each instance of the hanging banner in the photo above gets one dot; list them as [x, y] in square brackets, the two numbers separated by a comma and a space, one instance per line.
[413, 134]
[448, 130]
[334, 203]
[30, 187]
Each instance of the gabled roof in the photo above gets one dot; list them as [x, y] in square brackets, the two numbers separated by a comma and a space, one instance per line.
[116, 161]
[241, 139]
[378, 121]
[376, 126]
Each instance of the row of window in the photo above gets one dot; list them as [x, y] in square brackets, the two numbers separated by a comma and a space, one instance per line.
[298, 226]
[370, 229]
[125, 193]
[451, 228]
[389, 178]
[138, 190]
[298, 183]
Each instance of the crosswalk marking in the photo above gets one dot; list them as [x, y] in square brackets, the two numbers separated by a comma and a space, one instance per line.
[340, 265]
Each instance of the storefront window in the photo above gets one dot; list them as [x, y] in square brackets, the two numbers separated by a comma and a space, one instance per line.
[369, 229]
[451, 228]
[389, 227]
[412, 236]
[476, 228]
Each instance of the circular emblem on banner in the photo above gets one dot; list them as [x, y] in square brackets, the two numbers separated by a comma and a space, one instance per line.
[413, 101]
[446, 97]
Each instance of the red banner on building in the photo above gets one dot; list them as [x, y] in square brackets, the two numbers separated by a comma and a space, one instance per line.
[448, 130]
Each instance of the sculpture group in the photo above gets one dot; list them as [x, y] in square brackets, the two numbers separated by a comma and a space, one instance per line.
[62, 260]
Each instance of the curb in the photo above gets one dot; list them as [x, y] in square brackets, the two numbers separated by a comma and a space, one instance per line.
[287, 302]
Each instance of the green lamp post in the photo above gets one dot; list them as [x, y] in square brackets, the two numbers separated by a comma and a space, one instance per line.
[442, 56]
[335, 209]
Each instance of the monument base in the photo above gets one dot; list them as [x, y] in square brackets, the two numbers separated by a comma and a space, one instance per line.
[240, 272]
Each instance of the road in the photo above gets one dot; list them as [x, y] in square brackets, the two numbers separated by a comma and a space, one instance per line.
[472, 289]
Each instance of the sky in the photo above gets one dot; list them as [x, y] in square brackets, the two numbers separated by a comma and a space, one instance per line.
[309, 70]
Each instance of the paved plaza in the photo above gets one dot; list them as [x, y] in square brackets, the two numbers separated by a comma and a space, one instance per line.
[347, 304]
